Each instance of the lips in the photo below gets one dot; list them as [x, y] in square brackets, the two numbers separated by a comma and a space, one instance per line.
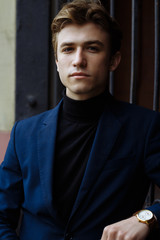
[79, 74]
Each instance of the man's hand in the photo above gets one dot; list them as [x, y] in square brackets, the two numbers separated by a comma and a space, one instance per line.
[129, 229]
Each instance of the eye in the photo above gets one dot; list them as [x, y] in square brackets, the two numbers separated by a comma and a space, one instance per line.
[67, 49]
[93, 49]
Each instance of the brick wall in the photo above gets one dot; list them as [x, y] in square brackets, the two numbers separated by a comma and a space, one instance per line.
[4, 138]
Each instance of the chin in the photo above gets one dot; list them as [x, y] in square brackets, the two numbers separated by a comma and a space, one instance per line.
[82, 89]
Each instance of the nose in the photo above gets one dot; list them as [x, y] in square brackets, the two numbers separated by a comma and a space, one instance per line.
[79, 59]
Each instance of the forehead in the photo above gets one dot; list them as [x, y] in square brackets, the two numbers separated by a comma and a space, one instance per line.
[82, 33]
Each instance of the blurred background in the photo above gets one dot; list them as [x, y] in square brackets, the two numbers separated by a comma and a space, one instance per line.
[29, 83]
[7, 70]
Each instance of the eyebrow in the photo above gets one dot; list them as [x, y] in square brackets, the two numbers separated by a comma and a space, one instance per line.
[85, 43]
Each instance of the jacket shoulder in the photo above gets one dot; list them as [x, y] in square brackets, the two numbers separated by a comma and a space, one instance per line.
[132, 110]
[32, 123]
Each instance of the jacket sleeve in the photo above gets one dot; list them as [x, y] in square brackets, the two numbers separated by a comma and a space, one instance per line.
[11, 192]
[152, 158]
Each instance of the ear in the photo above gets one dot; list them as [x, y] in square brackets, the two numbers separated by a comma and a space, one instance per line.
[57, 65]
[114, 62]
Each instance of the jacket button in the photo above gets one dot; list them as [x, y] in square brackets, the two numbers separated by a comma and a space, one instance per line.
[68, 236]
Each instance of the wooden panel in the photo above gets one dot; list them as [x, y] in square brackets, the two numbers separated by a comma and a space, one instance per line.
[32, 57]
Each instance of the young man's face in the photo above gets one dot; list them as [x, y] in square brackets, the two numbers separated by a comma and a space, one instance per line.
[83, 60]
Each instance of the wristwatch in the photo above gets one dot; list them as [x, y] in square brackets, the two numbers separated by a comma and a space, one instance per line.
[147, 217]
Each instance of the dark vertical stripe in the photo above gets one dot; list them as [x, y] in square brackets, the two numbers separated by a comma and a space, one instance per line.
[55, 85]
[157, 56]
[111, 75]
[134, 51]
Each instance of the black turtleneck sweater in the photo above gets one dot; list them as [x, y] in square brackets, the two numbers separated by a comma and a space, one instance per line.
[76, 130]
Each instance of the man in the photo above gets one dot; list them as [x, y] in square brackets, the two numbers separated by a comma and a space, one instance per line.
[82, 170]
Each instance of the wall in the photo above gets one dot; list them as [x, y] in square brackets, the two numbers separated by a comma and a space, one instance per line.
[7, 70]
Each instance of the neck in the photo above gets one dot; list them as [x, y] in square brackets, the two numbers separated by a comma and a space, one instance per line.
[86, 110]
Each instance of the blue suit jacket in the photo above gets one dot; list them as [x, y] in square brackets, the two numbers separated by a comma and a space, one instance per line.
[124, 159]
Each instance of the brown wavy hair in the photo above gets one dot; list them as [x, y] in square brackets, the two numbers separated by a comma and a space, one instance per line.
[85, 11]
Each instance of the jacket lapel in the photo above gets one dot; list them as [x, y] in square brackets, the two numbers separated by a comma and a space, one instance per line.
[106, 135]
[46, 150]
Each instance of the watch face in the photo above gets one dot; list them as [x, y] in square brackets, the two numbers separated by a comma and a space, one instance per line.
[145, 215]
